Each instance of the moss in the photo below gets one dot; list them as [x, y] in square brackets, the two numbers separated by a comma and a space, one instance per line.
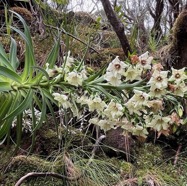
[152, 167]
[175, 54]
[126, 167]
[148, 155]
[25, 13]
[21, 165]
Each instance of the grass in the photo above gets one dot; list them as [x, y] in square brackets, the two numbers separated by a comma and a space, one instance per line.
[148, 167]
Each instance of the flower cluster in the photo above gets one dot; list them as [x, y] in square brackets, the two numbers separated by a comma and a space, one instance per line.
[136, 95]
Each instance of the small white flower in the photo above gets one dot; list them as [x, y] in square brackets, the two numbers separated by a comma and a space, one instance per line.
[82, 100]
[96, 104]
[51, 72]
[140, 131]
[62, 100]
[135, 108]
[105, 124]
[180, 89]
[159, 79]
[74, 78]
[140, 98]
[155, 105]
[156, 92]
[83, 73]
[94, 121]
[159, 123]
[138, 102]
[133, 73]
[102, 123]
[145, 61]
[131, 107]
[178, 75]
[125, 124]
[113, 79]
[117, 66]
[114, 110]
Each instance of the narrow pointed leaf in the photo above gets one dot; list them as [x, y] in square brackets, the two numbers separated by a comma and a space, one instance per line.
[53, 55]
[51, 59]
[4, 58]
[5, 127]
[38, 77]
[5, 106]
[23, 106]
[5, 87]
[10, 74]
[5, 62]
[43, 111]
[13, 54]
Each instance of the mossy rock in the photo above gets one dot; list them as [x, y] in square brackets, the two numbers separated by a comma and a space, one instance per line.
[21, 165]
[116, 144]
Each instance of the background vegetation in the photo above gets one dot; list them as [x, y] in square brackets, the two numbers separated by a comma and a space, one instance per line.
[71, 112]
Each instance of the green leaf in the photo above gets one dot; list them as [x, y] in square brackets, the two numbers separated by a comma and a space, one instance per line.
[101, 89]
[37, 78]
[180, 110]
[10, 74]
[53, 55]
[43, 112]
[48, 95]
[29, 50]
[51, 60]
[33, 127]
[6, 105]
[5, 86]
[23, 106]
[5, 127]
[37, 101]
[4, 58]
[96, 76]
[13, 54]
[29, 56]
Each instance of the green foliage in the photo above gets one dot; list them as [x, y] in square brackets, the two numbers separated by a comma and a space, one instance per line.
[153, 43]
[123, 94]
[19, 89]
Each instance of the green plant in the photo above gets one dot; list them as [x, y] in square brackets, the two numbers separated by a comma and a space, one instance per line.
[20, 89]
[153, 43]
[135, 95]
[8, 21]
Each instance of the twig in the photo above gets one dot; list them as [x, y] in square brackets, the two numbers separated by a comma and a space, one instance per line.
[43, 174]
[63, 31]
[177, 154]
[60, 176]
[95, 148]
